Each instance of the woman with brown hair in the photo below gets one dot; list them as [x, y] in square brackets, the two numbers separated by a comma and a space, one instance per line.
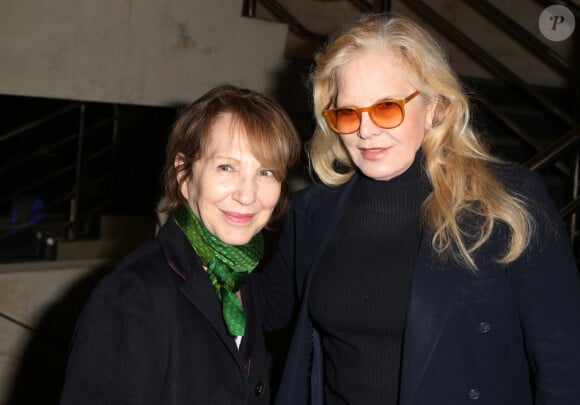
[177, 321]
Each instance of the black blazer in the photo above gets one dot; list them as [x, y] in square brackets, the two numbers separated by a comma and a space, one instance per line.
[152, 333]
[467, 336]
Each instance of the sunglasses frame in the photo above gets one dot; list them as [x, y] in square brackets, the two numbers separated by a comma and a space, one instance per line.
[358, 111]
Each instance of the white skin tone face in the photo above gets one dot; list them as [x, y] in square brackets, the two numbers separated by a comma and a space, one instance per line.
[379, 153]
[231, 192]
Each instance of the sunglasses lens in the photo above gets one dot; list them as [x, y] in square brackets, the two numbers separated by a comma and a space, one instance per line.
[345, 120]
[387, 114]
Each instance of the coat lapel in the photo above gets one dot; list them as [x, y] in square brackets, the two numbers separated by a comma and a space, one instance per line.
[196, 286]
[433, 293]
[312, 243]
[311, 240]
[200, 292]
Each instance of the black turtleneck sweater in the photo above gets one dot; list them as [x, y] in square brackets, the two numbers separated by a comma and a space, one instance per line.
[358, 296]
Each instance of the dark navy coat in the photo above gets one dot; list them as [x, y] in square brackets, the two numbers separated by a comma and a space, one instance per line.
[152, 333]
[503, 336]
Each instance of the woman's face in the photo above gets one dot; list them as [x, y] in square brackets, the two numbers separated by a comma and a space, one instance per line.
[379, 153]
[232, 193]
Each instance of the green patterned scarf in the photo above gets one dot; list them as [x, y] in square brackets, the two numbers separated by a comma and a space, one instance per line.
[228, 266]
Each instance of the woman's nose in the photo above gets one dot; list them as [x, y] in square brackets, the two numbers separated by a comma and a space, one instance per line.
[367, 127]
[245, 192]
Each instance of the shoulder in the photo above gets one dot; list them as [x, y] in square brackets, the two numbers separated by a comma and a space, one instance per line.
[549, 234]
[318, 194]
[313, 193]
[528, 185]
[133, 280]
[517, 178]
[144, 262]
[531, 188]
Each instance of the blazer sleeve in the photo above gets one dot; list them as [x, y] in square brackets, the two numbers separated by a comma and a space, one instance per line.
[276, 282]
[546, 286]
[116, 350]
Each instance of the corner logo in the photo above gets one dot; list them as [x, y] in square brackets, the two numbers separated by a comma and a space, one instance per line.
[556, 23]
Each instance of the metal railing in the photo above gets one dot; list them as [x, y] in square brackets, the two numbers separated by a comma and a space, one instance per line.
[63, 205]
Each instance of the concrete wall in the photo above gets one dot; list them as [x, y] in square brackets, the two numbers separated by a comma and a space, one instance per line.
[169, 52]
[39, 305]
[150, 52]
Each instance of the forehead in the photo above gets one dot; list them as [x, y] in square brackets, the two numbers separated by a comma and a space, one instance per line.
[226, 135]
[371, 77]
[235, 136]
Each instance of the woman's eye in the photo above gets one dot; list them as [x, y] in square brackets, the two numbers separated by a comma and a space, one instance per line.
[225, 168]
[267, 173]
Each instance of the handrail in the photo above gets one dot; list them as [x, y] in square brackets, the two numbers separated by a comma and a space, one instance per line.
[21, 161]
[249, 10]
[520, 133]
[570, 208]
[480, 54]
[74, 210]
[522, 35]
[475, 50]
[486, 58]
[66, 169]
[575, 8]
[14, 163]
[38, 122]
[366, 6]
[32, 186]
[554, 150]
[66, 196]
[287, 17]
[509, 123]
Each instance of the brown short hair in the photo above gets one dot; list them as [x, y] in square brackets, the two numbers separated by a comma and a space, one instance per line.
[270, 132]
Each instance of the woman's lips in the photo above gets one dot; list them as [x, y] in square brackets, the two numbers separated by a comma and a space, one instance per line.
[373, 153]
[238, 218]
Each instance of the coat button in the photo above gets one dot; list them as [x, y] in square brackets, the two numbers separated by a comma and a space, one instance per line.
[484, 327]
[259, 390]
[474, 393]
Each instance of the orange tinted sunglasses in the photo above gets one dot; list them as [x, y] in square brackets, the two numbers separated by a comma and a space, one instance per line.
[385, 114]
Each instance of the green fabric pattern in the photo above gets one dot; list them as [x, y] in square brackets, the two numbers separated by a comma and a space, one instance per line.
[228, 266]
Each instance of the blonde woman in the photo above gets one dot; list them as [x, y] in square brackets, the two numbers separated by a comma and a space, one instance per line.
[426, 270]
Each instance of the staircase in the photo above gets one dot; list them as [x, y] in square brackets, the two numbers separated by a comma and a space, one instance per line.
[66, 163]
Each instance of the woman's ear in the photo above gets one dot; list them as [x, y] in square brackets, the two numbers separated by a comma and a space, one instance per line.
[179, 165]
[430, 113]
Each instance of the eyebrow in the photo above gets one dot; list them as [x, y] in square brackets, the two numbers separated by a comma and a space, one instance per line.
[223, 157]
[373, 103]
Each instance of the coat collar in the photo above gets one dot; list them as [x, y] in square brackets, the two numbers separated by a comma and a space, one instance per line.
[196, 286]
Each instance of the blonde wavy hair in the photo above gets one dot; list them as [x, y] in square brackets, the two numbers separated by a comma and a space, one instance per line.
[457, 163]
